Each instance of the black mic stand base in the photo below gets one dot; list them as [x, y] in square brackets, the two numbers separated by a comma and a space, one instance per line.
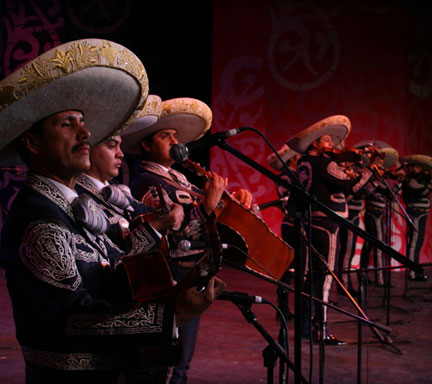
[273, 350]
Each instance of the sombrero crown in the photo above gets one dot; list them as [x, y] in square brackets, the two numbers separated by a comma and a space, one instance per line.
[191, 118]
[104, 80]
[337, 126]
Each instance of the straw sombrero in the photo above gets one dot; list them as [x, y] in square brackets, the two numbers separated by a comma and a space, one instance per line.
[104, 80]
[337, 126]
[138, 129]
[191, 118]
[391, 155]
[423, 160]
[285, 153]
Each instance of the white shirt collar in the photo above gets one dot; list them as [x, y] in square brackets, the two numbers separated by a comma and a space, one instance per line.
[69, 194]
[158, 165]
[96, 183]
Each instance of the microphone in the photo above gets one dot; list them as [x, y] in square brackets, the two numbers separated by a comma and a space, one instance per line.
[186, 245]
[180, 152]
[278, 203]
[241, 298]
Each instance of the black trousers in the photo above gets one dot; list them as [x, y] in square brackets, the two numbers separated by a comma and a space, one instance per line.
[318, 281]
[373, 220]
[414, 240]
[347, 247]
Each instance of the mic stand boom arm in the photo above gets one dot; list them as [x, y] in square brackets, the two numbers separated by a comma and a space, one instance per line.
[368, 322]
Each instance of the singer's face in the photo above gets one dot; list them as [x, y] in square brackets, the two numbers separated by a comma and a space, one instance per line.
[106, 159]
[158, 148]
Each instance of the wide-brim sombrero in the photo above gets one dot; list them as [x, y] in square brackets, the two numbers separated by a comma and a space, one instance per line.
[191, 118]
[137, 129]
[417, 159]
[285, 153]
[104, 80]
[390, 155]
[337, 127]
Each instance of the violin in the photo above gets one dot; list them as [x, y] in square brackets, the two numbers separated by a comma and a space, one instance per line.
[348, 155]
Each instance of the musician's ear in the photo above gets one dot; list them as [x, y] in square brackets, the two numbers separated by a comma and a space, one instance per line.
[145, 146]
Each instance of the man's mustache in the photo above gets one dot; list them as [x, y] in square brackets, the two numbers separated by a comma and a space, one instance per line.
[80, 145]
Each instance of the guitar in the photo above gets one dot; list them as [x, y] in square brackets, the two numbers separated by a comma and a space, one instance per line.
[149, 275]
[267, 253]
[161, 210]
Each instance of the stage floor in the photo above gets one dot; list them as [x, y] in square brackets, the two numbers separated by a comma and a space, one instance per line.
[230, 349]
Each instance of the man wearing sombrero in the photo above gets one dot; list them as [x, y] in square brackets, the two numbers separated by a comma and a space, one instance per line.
[416, 190]
[74, 320]
[124, 212]
[182, 120]
[328, 182]
[375, 202]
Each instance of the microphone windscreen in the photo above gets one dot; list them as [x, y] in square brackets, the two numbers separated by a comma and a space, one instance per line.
[179, 153]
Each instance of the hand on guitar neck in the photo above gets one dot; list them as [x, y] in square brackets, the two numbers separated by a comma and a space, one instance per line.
[173, 220]
[167, 215]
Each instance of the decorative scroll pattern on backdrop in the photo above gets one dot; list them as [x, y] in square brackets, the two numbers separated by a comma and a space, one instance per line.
[30, 28]
[282, 66]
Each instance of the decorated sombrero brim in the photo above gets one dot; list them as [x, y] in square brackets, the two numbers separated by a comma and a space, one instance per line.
[191, 118]
[285, 153]
[417, 159]
[137, 130]
[390, 155]
[337, 127]
[103, 79]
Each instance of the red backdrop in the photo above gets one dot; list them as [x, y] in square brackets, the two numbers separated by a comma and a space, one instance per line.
[281, 67]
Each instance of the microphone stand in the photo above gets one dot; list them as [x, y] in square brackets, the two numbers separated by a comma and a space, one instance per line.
[301, 197]
[394, 198]
[361, 320]
[273, 350]
[390, 197]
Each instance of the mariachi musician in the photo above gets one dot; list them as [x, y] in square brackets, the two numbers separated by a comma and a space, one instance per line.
[182, 120]
[377, 192]
[72, 321]
[129, 220]
[327, 181]
[416, 190]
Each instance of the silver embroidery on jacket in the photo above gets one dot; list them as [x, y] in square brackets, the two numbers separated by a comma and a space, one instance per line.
[48, 250]
[71, 361]
[50, 191]
[142, 319]
[142, 240]
[336, 171]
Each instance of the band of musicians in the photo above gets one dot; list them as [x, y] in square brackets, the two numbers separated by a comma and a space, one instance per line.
[108, 279]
